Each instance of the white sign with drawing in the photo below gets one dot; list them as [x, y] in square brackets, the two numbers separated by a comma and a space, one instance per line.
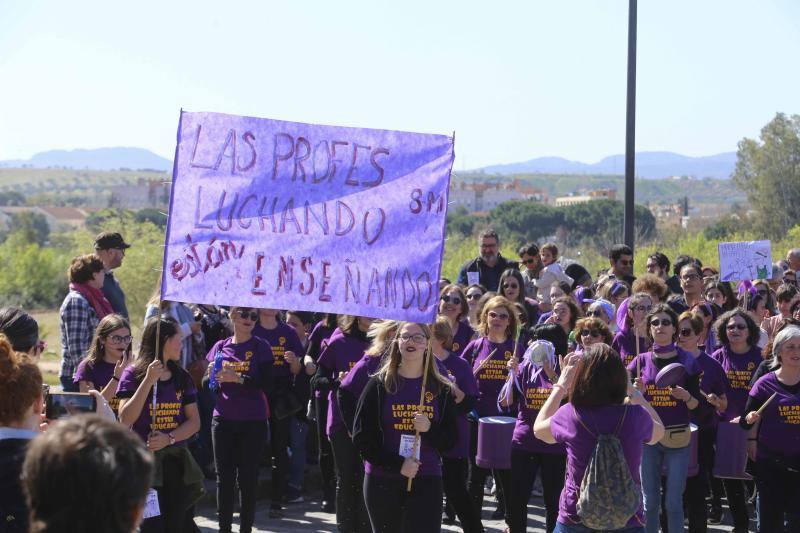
[745, 260]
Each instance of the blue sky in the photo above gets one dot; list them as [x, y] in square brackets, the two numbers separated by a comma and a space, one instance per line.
[515, 79]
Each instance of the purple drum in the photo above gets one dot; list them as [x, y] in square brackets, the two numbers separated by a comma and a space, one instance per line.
[670, 375]
[731, 455]
[494, 442]
[694, 466]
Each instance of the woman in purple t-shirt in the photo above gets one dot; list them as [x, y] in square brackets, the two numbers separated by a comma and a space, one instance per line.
[598, 401]
[109, 354]
[489, 356]
[632, 327]
[673, 404]
[388, 417]
[453, 306]
[159, 401]
[240, 372]
[739, 356]
[775, 434]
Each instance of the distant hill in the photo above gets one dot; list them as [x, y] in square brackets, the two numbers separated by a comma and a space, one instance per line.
[648, 165]
[95, 159]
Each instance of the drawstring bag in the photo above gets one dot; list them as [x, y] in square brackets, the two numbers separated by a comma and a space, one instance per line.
[608, 497]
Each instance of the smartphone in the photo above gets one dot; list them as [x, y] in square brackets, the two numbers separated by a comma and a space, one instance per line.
[63, 404]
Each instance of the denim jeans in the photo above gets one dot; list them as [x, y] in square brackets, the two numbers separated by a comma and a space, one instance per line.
[676, 463]
[577, 528]
[298, 433]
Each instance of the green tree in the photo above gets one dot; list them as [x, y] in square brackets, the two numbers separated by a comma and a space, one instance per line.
[525, 220]
[154, 216]
[12, 198]
[32, 227]
[32, 276]
[768, 171]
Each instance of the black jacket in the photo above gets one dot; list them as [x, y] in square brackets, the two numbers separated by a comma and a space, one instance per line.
[368, 431]
[13, 509]
[488, 276]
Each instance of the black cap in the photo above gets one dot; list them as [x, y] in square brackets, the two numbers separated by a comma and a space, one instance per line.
[108, 240]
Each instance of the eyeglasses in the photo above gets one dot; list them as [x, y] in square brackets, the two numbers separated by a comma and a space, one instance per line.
[252, 315]
[510, 286]
[590, 333]
[597, 313]
[660, 322]
[642, 308]
[733, 327]
[120, 339]
[416, 338]
[686, 332]
[474, 296]
[121, 250]
[789, 281]
[448, 299]
[501, 316]
[690, 277]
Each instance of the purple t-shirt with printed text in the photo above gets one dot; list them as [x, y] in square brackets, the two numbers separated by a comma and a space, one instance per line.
[458, 370]
[739, 370]
[625, 344]
[397, 414]
[712, 381]
[534, 389]
[340, 355]
[461, 338]
[635, 431]
[779, 430]
[170, 409]
[252, 358]
[493, 374]
[283, 338]
[672, 411]
[98, 374]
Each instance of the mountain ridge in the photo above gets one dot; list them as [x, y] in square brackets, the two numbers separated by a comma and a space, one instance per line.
[110, 158]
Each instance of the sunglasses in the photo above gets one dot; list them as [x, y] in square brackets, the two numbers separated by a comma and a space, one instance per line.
[40, 346]
[597, 313]
[686, 332]
[761, 293]
[789, 281]
[529, 261]
[119, 339]
[590, 333]
[473, 296]
[252, 315]
[642, 308]
[733, 327]
[625, 262]
[501, 316]
[660, 322]
[448, 299]
[510, 286]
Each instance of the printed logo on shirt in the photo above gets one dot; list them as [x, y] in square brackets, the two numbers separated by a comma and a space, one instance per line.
[277, 352]
[790, 414]
[536, 396]
[282, 340]
[428, 397]
[248, 355]
[403, 415]
[165, 417]
[659, 397]
[751, 365]
[456, 346]
[237, 366]
[507, 354]
[740, 379]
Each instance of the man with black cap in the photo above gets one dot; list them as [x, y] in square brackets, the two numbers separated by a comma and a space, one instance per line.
[110, 246]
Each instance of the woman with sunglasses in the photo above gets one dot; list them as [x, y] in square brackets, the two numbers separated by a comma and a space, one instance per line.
[603, 310]
[489, 355]
[240, 372]
[739, 356]
[388, 418]
[763, 289]
[453, 306]
[473, 294]
[533, 380]
[714, 383]
[512, 288]
[674, 406]
[590, 330]
[109, 354]
[632, 326]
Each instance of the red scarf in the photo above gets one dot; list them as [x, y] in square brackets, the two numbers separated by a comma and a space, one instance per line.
[96, 298]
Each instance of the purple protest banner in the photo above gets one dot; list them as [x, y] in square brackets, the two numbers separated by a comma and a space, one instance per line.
[284, 215]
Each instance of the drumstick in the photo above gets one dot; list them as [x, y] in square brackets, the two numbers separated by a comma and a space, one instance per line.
[761, 409]
[638, 361]
[483, 363]
[425, 370]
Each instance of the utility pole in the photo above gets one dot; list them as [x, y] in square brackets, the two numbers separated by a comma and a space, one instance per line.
[630, 128]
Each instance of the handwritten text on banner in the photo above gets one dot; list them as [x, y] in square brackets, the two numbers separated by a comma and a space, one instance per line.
[267, 213]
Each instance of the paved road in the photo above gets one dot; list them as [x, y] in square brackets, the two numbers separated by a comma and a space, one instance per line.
[308, 517]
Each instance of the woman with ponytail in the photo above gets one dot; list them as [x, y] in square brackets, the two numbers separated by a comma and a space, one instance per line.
[398, 443]
[20, 414]
[157, 385]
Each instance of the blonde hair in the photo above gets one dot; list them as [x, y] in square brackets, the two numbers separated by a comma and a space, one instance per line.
[442, 332]
[388, 374]
[381, 334]
[494, 303]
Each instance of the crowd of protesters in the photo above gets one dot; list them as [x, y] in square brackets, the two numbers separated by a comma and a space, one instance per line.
[380, 405]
